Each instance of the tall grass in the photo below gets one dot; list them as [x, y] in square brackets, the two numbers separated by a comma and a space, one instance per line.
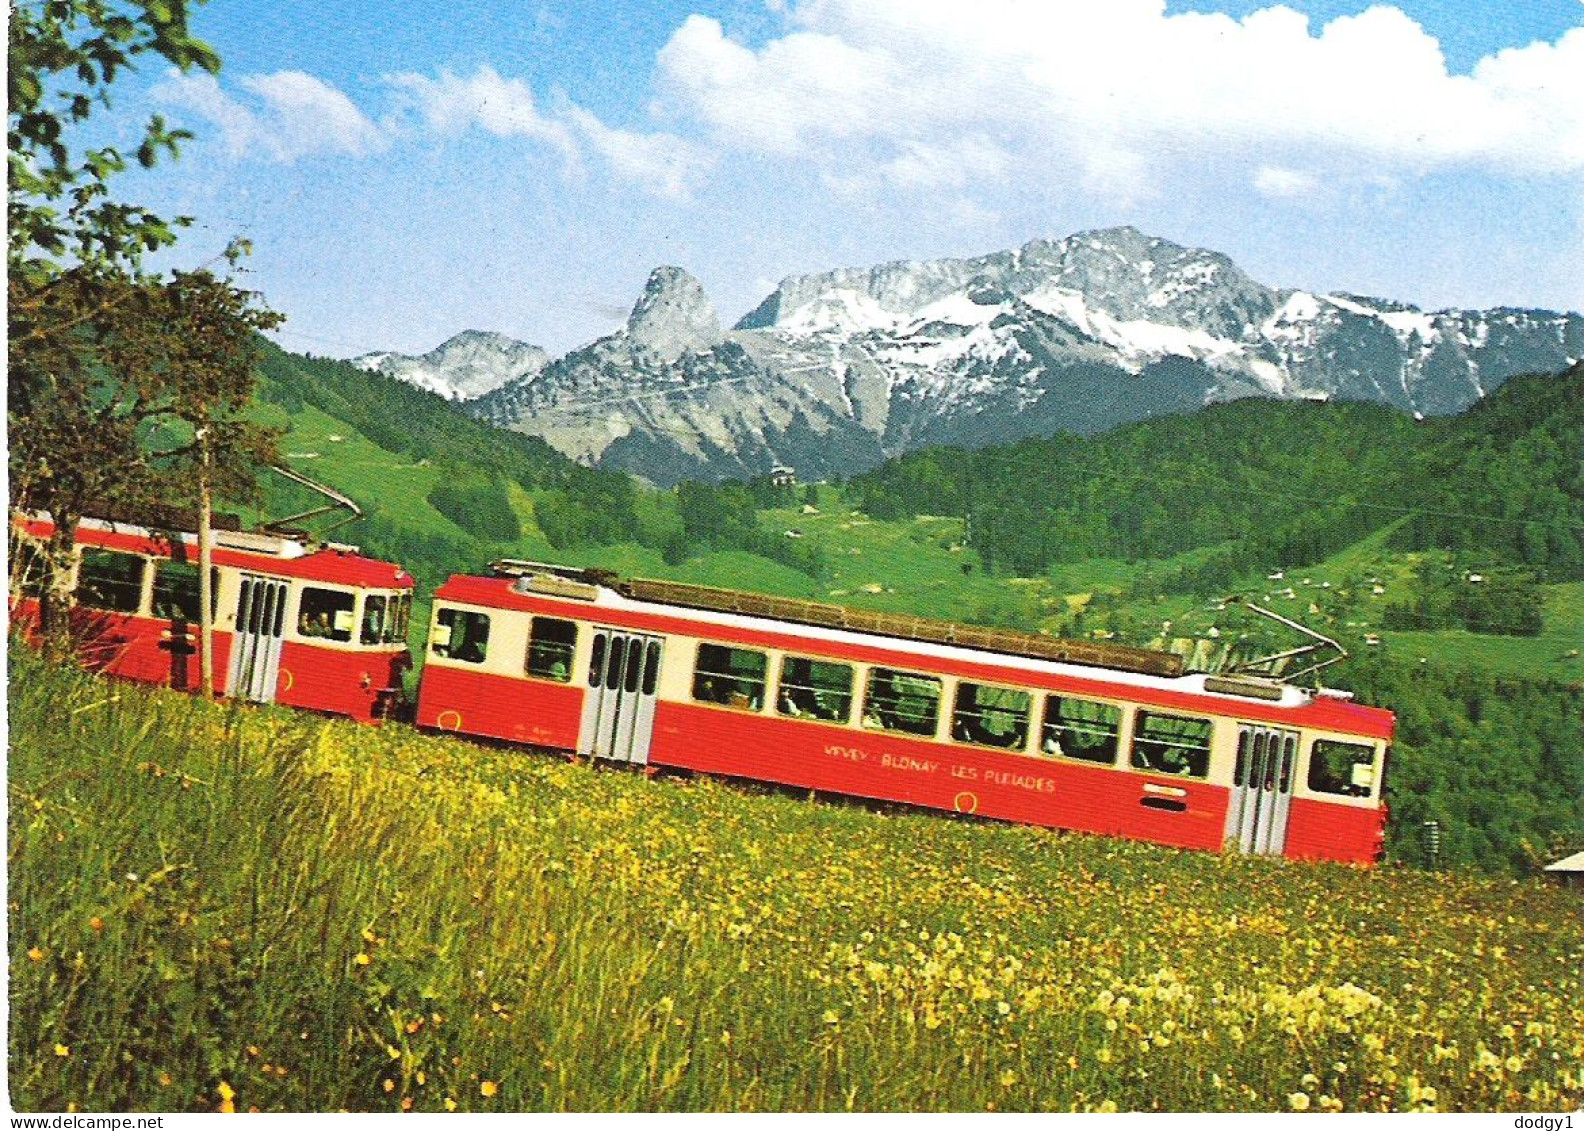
[215, 907]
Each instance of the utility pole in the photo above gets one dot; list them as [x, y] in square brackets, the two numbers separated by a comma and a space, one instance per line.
[205, 570]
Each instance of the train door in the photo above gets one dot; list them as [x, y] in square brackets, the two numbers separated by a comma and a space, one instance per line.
[1262, 784]
[618, 711]
[256, 648]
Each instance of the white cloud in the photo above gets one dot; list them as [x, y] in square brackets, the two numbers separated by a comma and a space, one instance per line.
[661, 163]
[450, 105]
[1111, 97]
[1275, 181]
[291, 115]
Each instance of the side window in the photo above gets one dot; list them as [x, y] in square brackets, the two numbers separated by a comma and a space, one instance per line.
[815, 689]
[375, 625]
[551, 643]
[903, 701]
[651, 668]
[29, 568]
[176, 590]
[461, 634]
[1080, 728]
[731, 677]
[111, 581]
[1171, 744]
[991, 716]
[1344, 768]
[401, 613]
[325, 614]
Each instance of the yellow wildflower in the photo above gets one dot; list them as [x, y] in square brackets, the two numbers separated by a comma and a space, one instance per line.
[62, 1050]
[488, 1088]
[1298, 1101]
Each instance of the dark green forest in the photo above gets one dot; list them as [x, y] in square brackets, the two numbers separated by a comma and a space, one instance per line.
[1269, 482]
[1497, 763]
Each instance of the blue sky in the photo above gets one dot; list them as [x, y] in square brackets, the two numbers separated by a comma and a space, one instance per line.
[521, 167]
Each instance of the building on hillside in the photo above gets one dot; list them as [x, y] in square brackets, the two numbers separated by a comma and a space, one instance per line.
[1568, 871]
[783, 477]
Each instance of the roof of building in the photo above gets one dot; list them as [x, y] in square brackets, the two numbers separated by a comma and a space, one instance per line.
[1574, 863]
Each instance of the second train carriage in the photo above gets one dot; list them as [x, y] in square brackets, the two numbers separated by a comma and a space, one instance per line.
[1004, 725]
[314, 626]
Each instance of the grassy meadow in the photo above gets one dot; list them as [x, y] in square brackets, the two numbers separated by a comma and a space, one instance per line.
[216, 908]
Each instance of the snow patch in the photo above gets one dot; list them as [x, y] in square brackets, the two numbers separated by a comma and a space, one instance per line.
[1136, 338]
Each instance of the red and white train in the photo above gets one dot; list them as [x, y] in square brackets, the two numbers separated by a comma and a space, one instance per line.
[974, 721]
[1006, 725]
[313, 626]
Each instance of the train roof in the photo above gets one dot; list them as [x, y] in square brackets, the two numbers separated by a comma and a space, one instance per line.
[282, 555]
[610, 595]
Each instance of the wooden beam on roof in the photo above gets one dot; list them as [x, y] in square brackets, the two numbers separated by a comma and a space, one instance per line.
[904, 626]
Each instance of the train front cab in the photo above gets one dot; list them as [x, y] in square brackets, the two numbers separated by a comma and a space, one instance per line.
[1186, 769]
[320, 644]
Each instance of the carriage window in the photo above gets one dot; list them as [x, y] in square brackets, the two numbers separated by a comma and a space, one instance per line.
[731, 677]
[1345, 768]
[815, 689]
[1081, 728]
[375, 625]
[550, 646]
[902, 701]
[991, 716]
[396, 622]
[176, 590]
[325, 614]
[29, 568]
[651, 667]
[461, 635]
[1171, 744]
[111, 581]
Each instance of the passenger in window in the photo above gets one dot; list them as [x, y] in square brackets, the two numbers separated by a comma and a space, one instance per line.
[471, 650]
[788, 704]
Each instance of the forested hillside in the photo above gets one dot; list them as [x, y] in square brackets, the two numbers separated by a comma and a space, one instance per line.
[1276, 482]
[443, 492]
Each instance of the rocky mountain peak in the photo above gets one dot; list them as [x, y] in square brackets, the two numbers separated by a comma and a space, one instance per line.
[672, 316]
[464, 366]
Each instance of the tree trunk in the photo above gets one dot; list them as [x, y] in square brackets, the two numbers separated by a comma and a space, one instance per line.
[205, 579]
[55, 602]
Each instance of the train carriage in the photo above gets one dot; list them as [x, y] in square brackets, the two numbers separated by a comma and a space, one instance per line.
[1004, 725]
[313, 626]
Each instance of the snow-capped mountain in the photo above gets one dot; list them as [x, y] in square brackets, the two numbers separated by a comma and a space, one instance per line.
[469, 365]
[834, 372]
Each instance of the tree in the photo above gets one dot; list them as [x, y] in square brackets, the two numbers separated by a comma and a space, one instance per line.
[62, 57]
[114, 373]
[106, 419]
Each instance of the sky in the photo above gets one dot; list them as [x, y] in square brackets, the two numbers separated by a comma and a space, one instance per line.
[521, 166]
